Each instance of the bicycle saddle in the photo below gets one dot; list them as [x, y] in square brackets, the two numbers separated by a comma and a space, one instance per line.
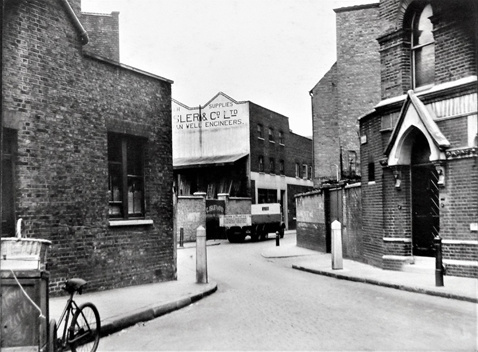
[74, 285]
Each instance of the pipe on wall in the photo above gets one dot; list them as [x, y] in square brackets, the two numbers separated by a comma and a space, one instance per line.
[1, 110]
[79, 27]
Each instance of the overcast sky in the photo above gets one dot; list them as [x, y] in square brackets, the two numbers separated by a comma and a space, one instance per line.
[270, 52]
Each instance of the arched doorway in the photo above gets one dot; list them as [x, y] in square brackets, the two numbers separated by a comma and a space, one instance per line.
[425, 198]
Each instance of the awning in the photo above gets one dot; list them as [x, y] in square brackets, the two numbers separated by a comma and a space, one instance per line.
[217, 160]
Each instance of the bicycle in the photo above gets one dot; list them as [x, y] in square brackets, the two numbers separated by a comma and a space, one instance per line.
[83, 334]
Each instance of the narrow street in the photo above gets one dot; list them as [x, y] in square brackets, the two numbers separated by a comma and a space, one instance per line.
[263, 304]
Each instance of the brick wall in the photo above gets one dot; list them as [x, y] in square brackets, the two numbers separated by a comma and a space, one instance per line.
[292, 191]
[358, 70]
[460, 202]
[298, 150]
[191, 213]
[387, 207]
[295, 148]
[456, 131]
[325, 127]
[455, 45]
[348, 90]
[103, 33]
[262, 146]
[455, 40]
[313, 226]
[63, 103]
[372, 202]
[311, 231]
[397, 206]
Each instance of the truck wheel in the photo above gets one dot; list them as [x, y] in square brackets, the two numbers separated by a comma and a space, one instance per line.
[231, 236]
[254, 233]
[243, 235]
[260, 235]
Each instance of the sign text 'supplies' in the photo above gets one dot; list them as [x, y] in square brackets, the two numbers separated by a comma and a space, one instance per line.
[207, 119]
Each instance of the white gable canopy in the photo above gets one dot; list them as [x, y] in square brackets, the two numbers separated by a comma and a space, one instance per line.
[415, 116]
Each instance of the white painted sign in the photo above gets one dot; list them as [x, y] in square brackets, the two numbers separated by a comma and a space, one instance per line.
[219, 128]
[235, 220]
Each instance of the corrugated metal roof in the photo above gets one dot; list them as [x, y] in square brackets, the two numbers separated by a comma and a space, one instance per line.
[217, 160]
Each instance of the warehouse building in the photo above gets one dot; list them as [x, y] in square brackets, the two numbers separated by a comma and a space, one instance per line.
[240, 149]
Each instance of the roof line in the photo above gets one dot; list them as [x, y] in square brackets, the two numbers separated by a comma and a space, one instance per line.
[130, 68]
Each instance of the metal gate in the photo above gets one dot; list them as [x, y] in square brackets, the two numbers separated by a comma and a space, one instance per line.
[214, 209]
[333, 211]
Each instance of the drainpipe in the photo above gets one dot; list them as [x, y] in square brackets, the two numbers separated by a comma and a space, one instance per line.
[78, 26]
[1, 138]
[1, 111]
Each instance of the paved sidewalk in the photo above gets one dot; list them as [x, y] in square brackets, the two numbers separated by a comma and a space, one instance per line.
[123, 307]
[459, 288]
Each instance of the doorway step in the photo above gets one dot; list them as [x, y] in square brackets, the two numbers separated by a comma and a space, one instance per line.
[422, 265]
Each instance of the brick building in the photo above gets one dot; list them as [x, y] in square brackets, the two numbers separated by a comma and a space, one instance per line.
[103, 32]
[87, 160]
[419, 146]
[241, 149]
[349, 89]
[417, 134]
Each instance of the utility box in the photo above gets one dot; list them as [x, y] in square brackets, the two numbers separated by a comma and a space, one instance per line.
[22, 323]
[24, 292]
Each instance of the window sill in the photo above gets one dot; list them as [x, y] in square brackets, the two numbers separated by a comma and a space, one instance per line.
[260, 138]
[114, 223]
[371, 183]
[423, 88]
[272, 142]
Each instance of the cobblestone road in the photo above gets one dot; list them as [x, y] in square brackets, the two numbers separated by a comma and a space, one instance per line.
[263, 304]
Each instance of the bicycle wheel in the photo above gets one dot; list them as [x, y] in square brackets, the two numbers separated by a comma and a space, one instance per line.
[52, 336]
[84, 332]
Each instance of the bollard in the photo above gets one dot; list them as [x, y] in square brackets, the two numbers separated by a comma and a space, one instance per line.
[277, 239]
[181, 237]
[438, 262]
[337, 262]
[201, 256]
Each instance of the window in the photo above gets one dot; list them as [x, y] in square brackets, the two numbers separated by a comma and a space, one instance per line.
[281, 137]
[310, 172]
[423, 48]
[8, 183]
[261, 164]
[281, 167]
[272, 166]
[259, 131]
[271, 135]
[297, 170]
[351, 163]
[304, 171]
[266, 195]
[126, 176]
[371, 170]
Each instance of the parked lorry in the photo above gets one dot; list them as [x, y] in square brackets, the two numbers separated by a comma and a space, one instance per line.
[262, 220]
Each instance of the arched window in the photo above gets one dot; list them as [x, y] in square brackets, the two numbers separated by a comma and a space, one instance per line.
[423, 48]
